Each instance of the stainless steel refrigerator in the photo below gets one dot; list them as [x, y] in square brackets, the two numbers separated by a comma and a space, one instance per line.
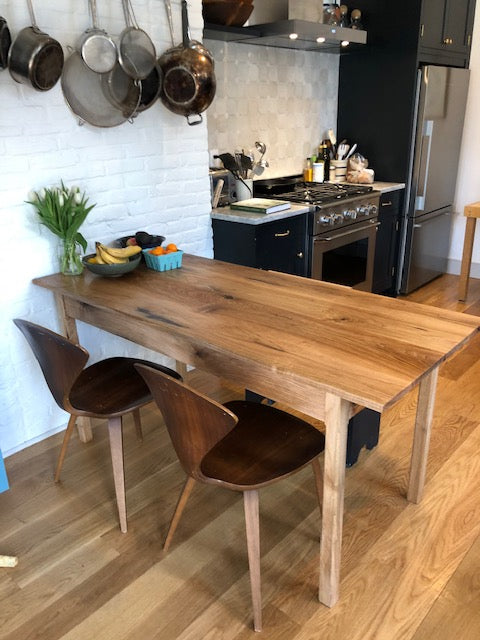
[426, 228]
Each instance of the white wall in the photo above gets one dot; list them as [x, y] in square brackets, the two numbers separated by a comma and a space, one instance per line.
[468, 182]
[150, 175]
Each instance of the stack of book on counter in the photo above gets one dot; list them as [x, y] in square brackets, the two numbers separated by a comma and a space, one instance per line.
[260, 205]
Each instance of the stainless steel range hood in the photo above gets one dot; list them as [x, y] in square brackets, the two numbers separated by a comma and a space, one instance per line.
[291, 24]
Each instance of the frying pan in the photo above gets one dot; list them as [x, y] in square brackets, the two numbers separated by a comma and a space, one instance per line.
[5, 42]
[150, 88]
[136, 50]
[102, 100]
[35, 58]
[189, 83]
[97, 49]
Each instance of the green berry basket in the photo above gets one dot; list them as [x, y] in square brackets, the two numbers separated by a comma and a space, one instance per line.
[165, 262]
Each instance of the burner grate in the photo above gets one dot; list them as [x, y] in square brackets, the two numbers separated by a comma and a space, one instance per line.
[312, 193]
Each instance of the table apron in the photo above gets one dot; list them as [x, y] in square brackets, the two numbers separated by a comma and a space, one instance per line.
[301, 395]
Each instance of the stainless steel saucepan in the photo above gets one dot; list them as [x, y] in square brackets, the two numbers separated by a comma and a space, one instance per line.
[35, 58]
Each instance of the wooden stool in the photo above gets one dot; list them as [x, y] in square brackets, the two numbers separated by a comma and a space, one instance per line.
[471, 212]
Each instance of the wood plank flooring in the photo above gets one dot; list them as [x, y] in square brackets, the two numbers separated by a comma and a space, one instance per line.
[408, 571]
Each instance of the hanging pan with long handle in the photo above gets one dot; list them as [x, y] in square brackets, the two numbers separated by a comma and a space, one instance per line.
[136, 51]
[189, 83]
[5, 43]
[35, 58]
[98, 50]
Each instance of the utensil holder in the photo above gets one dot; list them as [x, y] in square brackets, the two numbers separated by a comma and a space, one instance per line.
[244, 190]
[340, 169]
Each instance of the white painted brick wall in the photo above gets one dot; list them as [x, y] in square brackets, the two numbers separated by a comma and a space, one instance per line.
[151, 175]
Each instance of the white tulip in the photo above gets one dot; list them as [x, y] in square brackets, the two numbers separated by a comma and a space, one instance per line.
[61, 200]
[77, 198]
[32, 196]
[42, 193]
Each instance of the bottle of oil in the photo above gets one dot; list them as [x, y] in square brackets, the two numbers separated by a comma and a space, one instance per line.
[324, 156]
[308, 170]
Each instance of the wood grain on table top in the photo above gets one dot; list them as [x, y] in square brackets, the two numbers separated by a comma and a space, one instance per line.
[366, 348]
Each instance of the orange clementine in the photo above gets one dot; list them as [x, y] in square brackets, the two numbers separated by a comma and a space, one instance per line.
[157, 251]
[171, 248]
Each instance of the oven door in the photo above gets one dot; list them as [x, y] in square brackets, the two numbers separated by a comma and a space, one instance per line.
[346, 256]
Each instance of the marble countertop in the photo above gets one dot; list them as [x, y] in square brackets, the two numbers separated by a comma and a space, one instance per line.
[247, 217]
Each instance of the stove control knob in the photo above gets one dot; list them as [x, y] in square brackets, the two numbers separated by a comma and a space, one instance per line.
[362, 210]
[350, 213]
[326, 219]
[372, 209]
[337, 217]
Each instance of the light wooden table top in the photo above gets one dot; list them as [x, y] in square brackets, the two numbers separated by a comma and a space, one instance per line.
[368, 349]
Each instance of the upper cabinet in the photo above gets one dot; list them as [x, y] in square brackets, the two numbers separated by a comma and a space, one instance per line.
[446, 31]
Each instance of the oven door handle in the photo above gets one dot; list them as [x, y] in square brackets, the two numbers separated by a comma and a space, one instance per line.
[373, 225]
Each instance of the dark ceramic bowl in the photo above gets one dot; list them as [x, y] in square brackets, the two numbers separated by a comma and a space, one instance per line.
[227, 12]
[112, 270]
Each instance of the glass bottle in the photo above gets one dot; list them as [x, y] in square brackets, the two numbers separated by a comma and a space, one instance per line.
[324, 156]
[331, 13]
[308, 171]
[356, 20]
[343, 16]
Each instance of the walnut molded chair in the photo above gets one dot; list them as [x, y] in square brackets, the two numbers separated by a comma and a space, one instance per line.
[241, 446]
[108, 389]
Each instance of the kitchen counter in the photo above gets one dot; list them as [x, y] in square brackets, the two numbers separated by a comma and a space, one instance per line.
[385, 187]
[247, 217]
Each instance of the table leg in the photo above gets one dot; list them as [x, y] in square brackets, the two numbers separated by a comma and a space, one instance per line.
[69, 328]
[466, 258]
[421, 437]
[337, 416]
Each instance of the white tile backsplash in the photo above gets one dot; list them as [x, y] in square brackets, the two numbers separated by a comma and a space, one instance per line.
[283, 97]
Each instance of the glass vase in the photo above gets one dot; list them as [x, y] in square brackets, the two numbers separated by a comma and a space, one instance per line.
[70, 259]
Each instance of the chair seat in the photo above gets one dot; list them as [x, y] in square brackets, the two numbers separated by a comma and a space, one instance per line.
[265, 445]
[113, 387]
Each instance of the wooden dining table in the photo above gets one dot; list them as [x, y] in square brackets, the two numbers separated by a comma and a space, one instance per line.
[320, 348]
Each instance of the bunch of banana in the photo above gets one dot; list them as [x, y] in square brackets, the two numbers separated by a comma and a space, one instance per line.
[113, 255]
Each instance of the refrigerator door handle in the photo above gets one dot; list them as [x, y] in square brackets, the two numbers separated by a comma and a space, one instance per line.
[419, 225]
[426, 141]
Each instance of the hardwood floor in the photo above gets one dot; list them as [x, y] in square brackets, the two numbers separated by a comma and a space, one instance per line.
[408, 571]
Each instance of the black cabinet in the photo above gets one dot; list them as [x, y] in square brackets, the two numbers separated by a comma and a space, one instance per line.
[377, 86]
[280, 245]
[446, 31]
[387, 243]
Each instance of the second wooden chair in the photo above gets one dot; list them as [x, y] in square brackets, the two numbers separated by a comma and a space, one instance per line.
[241, 446]
[107, 389]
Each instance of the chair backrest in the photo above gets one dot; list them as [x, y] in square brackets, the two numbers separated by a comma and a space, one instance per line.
[61, 361]
[194, 421]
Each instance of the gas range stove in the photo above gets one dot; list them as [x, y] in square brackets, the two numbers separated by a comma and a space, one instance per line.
[294, 189]
[333, 205]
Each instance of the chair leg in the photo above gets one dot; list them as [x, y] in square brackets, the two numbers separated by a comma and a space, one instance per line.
[63, 450]
[138, 424]
[116, 450]
[317, 472]
[252, 526]
[182, 501]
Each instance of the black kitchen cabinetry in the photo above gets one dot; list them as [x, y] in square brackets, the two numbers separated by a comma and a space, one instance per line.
[280, 245]
[387, 244]
[377, 85]
[446, 31]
